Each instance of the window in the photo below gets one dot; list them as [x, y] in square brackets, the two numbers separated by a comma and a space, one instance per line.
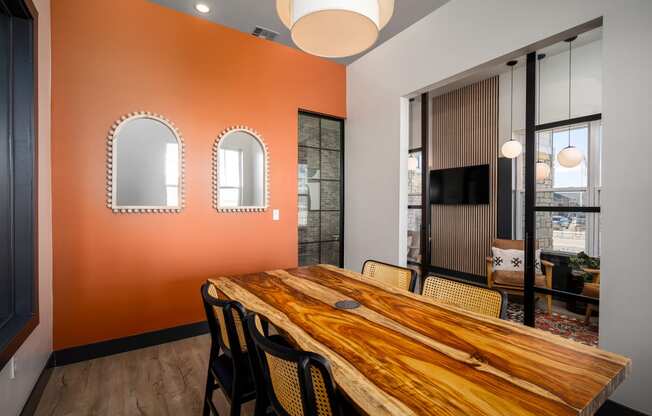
[414, 207]
[578, 187]
[231, 178]
[18, 294]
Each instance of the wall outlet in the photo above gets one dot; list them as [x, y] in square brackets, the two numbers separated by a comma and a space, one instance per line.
[12, 368]
[276, 214]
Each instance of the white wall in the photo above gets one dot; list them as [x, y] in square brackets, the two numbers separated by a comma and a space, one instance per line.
[626, 286]
[33, 354]
[461, 36]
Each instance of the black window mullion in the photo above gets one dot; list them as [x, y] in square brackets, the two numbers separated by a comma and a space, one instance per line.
[569, 122]
[553, 208]
[530, 190]
[321, 174]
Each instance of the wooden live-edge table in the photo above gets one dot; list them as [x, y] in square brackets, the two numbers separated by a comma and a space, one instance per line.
[403, 354]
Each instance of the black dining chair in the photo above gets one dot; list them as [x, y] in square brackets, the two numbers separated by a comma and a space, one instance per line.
[298, 383]
[231, 369]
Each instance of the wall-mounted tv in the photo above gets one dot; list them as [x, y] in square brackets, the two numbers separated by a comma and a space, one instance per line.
[460, 186]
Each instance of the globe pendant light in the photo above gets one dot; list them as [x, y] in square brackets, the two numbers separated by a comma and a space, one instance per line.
[334, 28]
[570, 156]
[542, 168]
[511, 148]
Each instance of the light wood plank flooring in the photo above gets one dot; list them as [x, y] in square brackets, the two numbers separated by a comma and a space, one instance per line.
[167, 379]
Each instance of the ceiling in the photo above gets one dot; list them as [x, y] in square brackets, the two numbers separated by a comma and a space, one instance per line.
[245, 15]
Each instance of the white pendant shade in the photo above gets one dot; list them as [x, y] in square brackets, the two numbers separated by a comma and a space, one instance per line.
[542, 170]
[570, 157]
[334, 28]
[511, 149]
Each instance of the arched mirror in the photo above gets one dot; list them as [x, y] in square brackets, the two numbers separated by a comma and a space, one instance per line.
[240, 171]
[145, 165]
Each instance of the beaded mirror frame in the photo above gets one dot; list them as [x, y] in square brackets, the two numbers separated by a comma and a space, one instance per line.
[110, 163]
[216, 170]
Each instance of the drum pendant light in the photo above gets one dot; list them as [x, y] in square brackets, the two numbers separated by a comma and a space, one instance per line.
[334, 28]
[570, 156]
[511, 148]
[542, 168]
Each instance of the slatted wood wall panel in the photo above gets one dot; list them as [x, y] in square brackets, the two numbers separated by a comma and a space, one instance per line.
[464, 133]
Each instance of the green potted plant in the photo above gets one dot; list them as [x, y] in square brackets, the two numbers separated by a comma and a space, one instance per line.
[582, 261]
[578, 276]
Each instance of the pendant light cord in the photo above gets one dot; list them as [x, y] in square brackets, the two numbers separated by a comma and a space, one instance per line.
[511, 107]
[570, 84]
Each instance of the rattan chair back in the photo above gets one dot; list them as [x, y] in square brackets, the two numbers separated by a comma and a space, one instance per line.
[470, 297]
[401, 277]
[298, 383]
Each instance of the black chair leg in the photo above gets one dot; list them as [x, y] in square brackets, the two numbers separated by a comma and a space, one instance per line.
[235, 407]
[208, 395]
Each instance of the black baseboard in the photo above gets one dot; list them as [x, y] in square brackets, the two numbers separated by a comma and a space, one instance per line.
[134, 342]
[611, 408]
[35, 396]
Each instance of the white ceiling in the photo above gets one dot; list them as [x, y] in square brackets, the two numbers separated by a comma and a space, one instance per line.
[245, 15]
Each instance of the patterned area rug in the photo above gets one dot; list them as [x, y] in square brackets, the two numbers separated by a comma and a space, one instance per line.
[558, 324]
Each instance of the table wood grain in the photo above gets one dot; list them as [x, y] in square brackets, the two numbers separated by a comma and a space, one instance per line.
[403, 354]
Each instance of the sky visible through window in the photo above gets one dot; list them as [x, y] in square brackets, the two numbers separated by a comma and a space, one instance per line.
[571, 177]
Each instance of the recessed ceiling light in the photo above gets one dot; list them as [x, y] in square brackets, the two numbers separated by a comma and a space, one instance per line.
[202, 8]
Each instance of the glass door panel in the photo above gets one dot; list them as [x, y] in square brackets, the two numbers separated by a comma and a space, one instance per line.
[320, 190]
[561, 205]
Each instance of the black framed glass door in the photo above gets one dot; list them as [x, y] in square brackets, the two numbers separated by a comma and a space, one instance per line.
[321, 190]
[561, 221]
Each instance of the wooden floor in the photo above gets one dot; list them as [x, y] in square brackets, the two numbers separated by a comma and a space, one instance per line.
[167, 379]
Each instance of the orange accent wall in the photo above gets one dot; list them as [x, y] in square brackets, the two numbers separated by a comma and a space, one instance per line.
[122, 274]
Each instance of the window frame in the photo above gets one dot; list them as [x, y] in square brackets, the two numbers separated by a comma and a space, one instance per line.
[341, 181]
[21, 138]
[592, 189]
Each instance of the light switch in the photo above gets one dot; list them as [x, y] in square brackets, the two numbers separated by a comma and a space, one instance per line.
[276, 215]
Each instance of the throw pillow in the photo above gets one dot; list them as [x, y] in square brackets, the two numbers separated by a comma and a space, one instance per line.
[514, 260]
